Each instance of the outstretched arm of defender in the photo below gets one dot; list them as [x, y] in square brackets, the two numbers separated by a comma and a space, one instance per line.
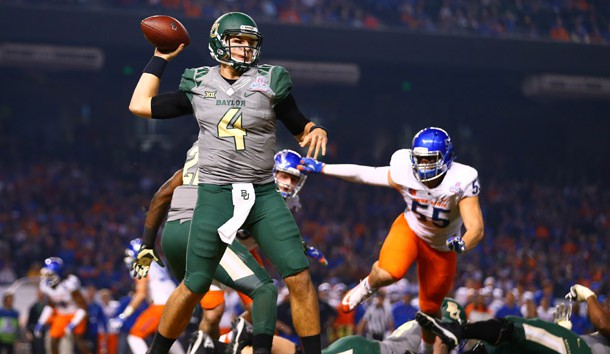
[376, 176]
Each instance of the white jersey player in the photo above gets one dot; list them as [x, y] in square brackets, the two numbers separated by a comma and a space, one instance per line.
[67, 308]
[441, 196]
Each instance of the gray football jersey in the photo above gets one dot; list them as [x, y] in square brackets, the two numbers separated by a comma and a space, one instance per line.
[237, 123]
[184, 197]
[405, 339]
[598, 343]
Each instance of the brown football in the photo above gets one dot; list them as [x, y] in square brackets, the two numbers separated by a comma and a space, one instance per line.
[164, 32]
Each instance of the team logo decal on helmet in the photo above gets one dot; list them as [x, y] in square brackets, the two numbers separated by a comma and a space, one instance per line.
[287, 161]
[230, 25]
[431, 154]
[452, 311]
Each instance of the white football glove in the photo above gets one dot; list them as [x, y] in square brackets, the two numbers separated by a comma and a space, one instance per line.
[579, 293]
[562, 314]
[116, 323]
[69, 329]
[456, 244]
[141, 265]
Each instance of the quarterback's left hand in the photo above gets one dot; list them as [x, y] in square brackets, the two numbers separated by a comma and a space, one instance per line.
[316, 140]
[456, 244]
[141, 265]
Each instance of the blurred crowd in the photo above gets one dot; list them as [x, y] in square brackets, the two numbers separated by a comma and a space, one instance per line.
[540, 237]
[583, 21]
[85, 202]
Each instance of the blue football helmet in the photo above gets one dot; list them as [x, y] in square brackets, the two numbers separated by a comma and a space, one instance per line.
[53, 271]
[132, 251]
[431, 154]
[287, 161]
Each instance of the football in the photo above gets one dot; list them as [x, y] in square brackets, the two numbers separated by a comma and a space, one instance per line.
[164, 32]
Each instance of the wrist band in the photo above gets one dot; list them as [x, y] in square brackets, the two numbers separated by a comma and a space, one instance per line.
[318, 127]
[155, 66]
[148, 237]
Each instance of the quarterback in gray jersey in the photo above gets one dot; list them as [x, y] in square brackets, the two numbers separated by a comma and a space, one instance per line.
[237, 105]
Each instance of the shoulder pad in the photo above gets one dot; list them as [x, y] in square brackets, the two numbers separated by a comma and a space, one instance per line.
[192, 78]
[72, 283]
[279, 80]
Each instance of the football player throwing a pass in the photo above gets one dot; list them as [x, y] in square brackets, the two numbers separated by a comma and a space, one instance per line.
[237, 104]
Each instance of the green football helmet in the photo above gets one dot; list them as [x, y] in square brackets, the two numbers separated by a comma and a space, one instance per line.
[452, 311]
[229, 25]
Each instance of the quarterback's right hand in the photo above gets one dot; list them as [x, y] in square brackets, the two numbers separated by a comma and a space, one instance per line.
[311, 165]
[171, 55]
[141, 265]
[579, 293]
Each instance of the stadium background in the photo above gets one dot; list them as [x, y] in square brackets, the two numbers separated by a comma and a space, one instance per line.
[529, 112]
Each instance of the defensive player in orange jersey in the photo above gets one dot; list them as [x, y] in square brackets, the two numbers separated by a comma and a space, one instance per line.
[441, 197]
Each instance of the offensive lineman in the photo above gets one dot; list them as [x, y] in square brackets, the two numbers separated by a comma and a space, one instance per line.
[238, 268]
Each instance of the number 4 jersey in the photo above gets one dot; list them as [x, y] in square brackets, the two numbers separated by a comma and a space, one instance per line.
[433, 213]
[237, 123]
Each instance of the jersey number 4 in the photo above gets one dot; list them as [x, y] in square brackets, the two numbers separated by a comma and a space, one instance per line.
[230, 127]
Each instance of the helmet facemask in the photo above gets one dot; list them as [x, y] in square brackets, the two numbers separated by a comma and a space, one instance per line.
[431, 154]
[289, 183]
[50, 277]
[428, 166]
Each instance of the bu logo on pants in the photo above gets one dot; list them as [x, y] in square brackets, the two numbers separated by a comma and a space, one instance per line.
[245, 195]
